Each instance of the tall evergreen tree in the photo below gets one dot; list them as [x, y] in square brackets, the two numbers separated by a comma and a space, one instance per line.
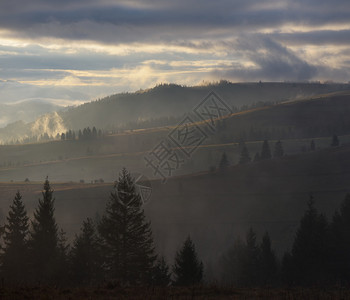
[256, 157]
[335, 141]
[312, 145]
[245, 157]
[265, 151]
[340, 242]
[126, 234]
[268, 262]
[44, 238]
[310, 252]
[15, 255]
[224, 163]
[278, 152]
[161, 273]
[187, 269]
[86, 256]
[250, 272]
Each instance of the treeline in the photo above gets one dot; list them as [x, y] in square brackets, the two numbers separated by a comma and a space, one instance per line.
[118, 249]
[320, 254]
[85, 134]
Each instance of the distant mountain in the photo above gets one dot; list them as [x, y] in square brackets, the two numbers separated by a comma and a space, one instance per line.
[174, 100]
[26, 111]
[50, 123]
[161, 101]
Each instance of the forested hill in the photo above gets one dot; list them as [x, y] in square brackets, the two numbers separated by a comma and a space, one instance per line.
[174, 100]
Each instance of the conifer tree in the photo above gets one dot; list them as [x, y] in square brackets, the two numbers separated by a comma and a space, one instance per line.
[126, 234]
[251, 260]
[335, 141]
[86, 256]
[187, 269]
[245, 157]
[278, 152]
[161, 273]
[44, 238]
[224, 163]
[265, 151]
[312, 145]
[15, 253]
[268, 262]
[340, 242]
[257, 157]
[310, 253]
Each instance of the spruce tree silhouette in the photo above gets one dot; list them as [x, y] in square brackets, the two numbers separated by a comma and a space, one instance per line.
[187, 269]
[245, 157]
[224, 163]
[44, 238]
[14, 258]
[268, 262]
[126, 234]
[335, 141]
[265, 151]
[161, 273]
[86, 256]
[310, 252]
[278, 152]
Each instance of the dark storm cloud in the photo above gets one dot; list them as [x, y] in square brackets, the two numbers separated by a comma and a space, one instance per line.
[161, 20]
[272, 62]
[318, 37]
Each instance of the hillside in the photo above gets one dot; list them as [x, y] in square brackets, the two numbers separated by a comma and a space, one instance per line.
[215, 208]
[164, 101]
[174, 100]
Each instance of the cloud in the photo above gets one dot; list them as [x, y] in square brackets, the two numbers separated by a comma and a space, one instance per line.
[130, 44]
[270, 61]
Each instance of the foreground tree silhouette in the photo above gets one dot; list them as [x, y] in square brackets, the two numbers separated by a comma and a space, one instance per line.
[312, 145]
[224, 163]
[340, 243]
[15, 256]
[85, 256]
[268, 262]
[245, 157]
[265, 151]
[187, 269]
[278, 152]
[43, 243]
[161, 273]
[126, 235]
[335, 141]
[310, 253]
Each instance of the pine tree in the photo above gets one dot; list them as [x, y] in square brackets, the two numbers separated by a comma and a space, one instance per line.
[335, 141]
[340, 242]
[61, 263]
[15, 256]
[310, 253]
[251, 260]
[161, 273]
[86, 256]
[278, 152]
[312, 145]
[187, 269]
[245, 157]
[224, 163]
[265, 151]
[232, 263]
[268, 262]
[127, 235]
[44, 238]
[256, 157]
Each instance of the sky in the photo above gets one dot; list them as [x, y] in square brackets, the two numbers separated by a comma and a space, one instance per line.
[90, 48]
